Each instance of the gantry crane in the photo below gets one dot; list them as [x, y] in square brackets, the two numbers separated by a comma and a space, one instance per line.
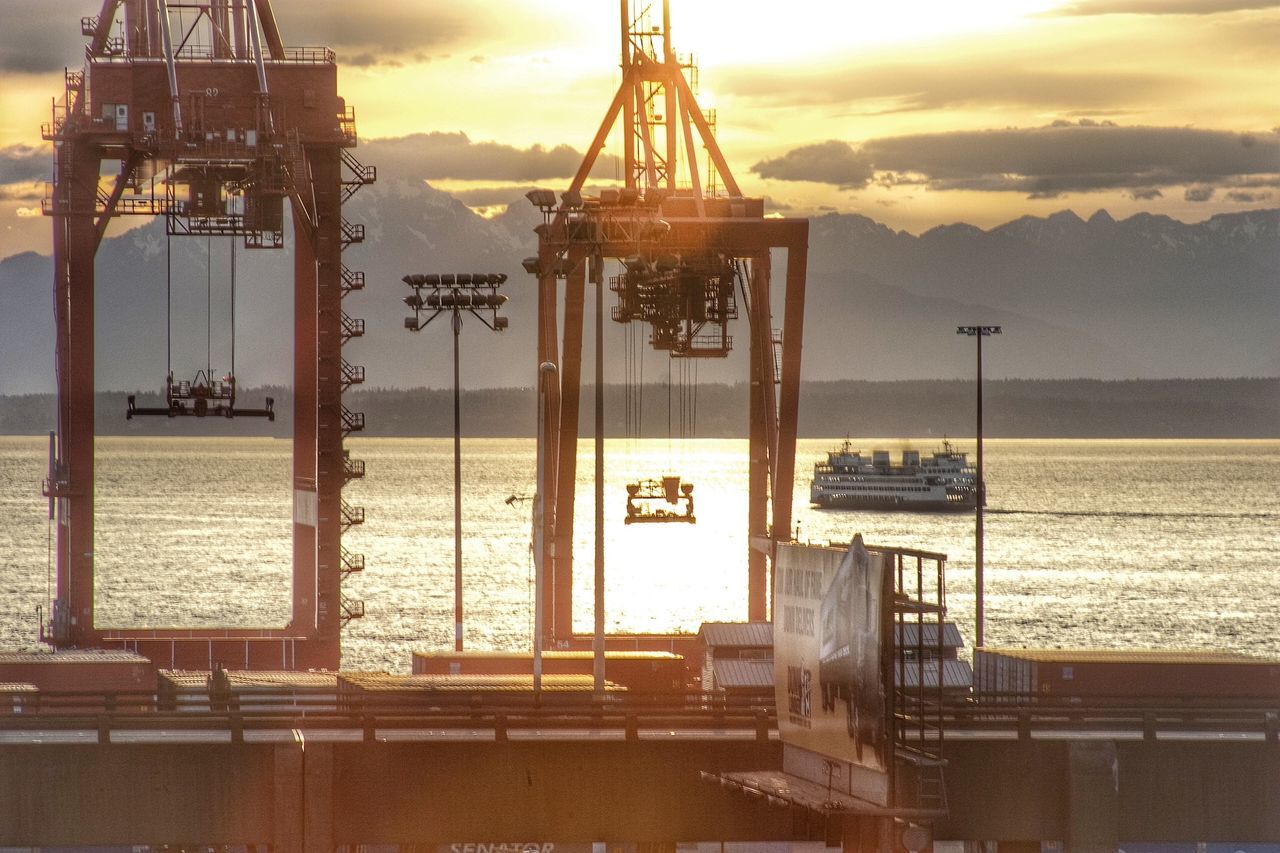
[683, 245]
[214, 124]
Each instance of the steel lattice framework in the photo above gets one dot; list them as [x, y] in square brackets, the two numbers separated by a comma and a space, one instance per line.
[683, 244]
[214, 124]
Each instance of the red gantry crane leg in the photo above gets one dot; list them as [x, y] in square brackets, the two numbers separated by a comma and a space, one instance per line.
[686, 250]
[206, 96]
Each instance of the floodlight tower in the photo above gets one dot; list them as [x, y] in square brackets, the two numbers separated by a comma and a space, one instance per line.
[686, 248]
[979, 547]
[455, 294]
[214, 124]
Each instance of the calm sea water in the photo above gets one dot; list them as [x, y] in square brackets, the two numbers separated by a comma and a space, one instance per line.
[1089, 543]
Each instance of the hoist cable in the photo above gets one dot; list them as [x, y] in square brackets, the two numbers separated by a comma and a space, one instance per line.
[168, 301]
[233, 307]
[208, 309]
[695, 400]
[640, 345]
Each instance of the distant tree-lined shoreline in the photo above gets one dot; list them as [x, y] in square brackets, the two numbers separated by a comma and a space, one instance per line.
[1013, 408]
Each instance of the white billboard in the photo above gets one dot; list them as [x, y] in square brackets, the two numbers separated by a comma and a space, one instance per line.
[829, 672]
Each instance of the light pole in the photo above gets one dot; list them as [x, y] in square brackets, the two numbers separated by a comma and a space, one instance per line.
[978, 333]
[596, 269]
[477, 294]
[548, 379]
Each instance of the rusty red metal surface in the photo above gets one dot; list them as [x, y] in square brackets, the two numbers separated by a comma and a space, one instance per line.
[79, 671]
[262, 128]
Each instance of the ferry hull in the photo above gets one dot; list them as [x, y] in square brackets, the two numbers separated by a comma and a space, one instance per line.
[881, 504]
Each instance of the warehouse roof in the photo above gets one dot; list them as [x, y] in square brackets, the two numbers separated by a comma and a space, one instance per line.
[748, 635]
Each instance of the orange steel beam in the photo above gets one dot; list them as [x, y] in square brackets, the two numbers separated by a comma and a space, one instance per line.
[764, 429]
[691, 157]
[117, 190]
[549, 352]
[646, 142]
[270, 32]
[597, 144]
[708, 138]
[103, 30]
[789, 390]
[567, 468]
[669, 95]
[628, 103]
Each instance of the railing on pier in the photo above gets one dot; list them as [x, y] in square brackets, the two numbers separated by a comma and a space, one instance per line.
[617, 715]
[625, 713]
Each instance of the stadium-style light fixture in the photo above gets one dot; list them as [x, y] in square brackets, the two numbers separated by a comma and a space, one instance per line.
[453, 293]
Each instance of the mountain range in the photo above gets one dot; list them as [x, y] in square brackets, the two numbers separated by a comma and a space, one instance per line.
[1143, 297]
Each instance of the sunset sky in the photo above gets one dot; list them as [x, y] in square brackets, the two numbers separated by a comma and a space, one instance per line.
[913, 113]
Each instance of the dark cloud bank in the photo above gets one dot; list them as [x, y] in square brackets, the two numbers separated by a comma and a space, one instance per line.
[1045, 161]
[43, 37]
[1158, 7]
[24, 163]
[453, 156]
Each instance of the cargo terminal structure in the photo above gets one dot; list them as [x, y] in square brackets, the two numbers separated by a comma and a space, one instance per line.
[695, 253]
[226, 738]
[215, 125]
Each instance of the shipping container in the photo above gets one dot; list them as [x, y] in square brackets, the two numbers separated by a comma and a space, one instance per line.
[262, 692]
[1156, 675]
[80, 671]
[635, 670]
[17, 698]
[358, 692]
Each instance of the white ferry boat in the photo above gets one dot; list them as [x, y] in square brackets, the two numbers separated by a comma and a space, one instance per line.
[945, 481]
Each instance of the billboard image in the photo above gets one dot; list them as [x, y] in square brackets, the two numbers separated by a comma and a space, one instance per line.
[828, 627]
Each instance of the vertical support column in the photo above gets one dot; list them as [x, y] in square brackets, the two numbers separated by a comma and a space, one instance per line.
[239, 36]
[1093, 797]
[548, 352]
[75, 245]
[456, 322]
[62, 370]
[326, 177]
[305, 495]
[758, 450]
[155, 46]
[789, 399]
[288, 800]
[317, 807]
[566, 476]
[597, 634]
[866, 834]
[629, 104]
[220, 15]
[134, 26]
[979, 546]
[670, 69]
